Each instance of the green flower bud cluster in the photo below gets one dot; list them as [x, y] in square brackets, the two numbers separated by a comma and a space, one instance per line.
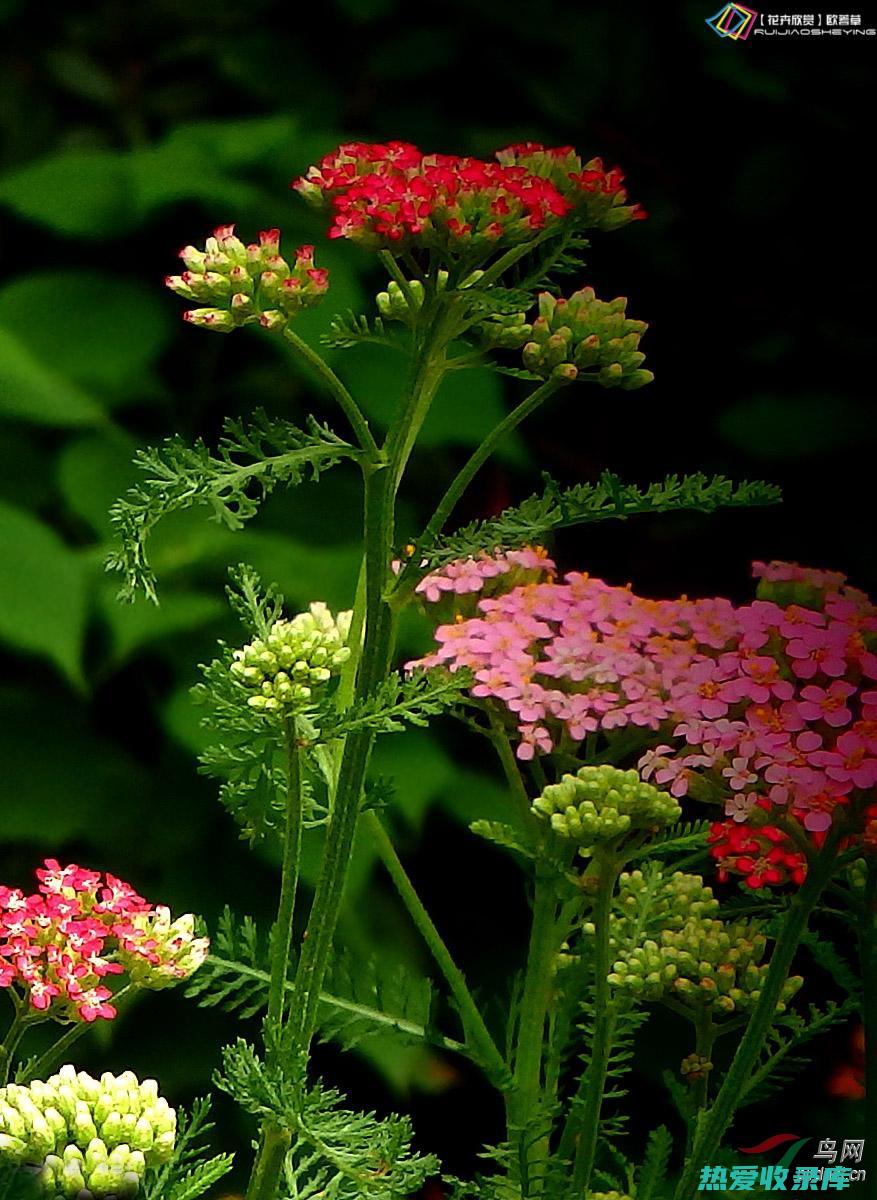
[609, 1196]
[393, 304]
[244, 285]
[506, 331]
[599, 804]
[676, 899]
[296, 656]
[587, 334]
[706, 961]
[85, 1137]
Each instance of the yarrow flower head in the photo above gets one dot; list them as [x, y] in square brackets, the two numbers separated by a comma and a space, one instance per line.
[601, 804]
[584, 334]
[282, 670]
[247, 284]
[86, 1138]
[60, 944]
[589, 186]
[381, 195]
[763, 702]
[455, 589]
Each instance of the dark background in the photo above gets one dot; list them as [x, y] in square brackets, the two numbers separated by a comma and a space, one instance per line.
[132, 129]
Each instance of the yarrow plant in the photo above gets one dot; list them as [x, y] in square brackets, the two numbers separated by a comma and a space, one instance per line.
[655, 752]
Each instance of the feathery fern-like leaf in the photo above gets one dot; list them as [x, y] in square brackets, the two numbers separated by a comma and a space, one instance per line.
[191, 1171]
[610, 499]
[334, 1150]
[232, 482]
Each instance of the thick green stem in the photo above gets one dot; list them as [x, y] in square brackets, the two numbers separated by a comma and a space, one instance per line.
[408, 578]
[719, 1116]
[336, 388]
[583, 1127]
[10, 1044]
[52, 1058]
[477, 1033]
[268, 1166]
[868, 956]
[524, 1102]
[281, 947]
[705, 1036]
[381, 485]
[376, 653]
[269, 1160]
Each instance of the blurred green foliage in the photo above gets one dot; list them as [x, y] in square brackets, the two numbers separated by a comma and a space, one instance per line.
[129, 130]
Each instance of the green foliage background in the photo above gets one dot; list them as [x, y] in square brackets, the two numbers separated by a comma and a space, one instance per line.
[131, 129]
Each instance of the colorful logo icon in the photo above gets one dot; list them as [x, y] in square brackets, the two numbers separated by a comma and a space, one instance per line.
[734, 21]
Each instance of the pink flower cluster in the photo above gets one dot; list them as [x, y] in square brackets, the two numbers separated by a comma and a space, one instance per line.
[486, 575]
[59, 944]
[770, 700]
[382, 194]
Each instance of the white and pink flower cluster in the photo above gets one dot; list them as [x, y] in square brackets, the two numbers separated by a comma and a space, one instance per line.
[774, 699]
[59, 944]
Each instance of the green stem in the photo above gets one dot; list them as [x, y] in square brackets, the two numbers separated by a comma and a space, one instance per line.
[719, 1116]
[868, 956]
[473, 1023]
[381, 485]
[583, 1127]
[269, 1160]
[703, 1046]
[376, 653]
[51, 1058]
[10, 1044]
[268, 1166]
[336, 388]
[281, 947]
[407, 579]
[536, 999]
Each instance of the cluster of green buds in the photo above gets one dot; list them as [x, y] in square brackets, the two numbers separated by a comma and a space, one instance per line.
[163, 951]
[705, 962]
[245, 285]
[601, 804]
[653, 901]
[586, 334]
[403, 304]
[283, 668]
[83, 1137]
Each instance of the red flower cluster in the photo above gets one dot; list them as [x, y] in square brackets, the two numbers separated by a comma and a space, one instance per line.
[763, 854]
[60, 943]
[382, 194]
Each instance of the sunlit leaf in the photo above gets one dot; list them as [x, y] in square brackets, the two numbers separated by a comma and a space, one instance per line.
[31, 390]
[43, 590]
[98, 331]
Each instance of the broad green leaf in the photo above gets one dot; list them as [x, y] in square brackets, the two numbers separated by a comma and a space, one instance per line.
[99, 331]
[134, 626]
[82, 193]
[42, 592]
[236, 144]
[93, 471]
[31, 390]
